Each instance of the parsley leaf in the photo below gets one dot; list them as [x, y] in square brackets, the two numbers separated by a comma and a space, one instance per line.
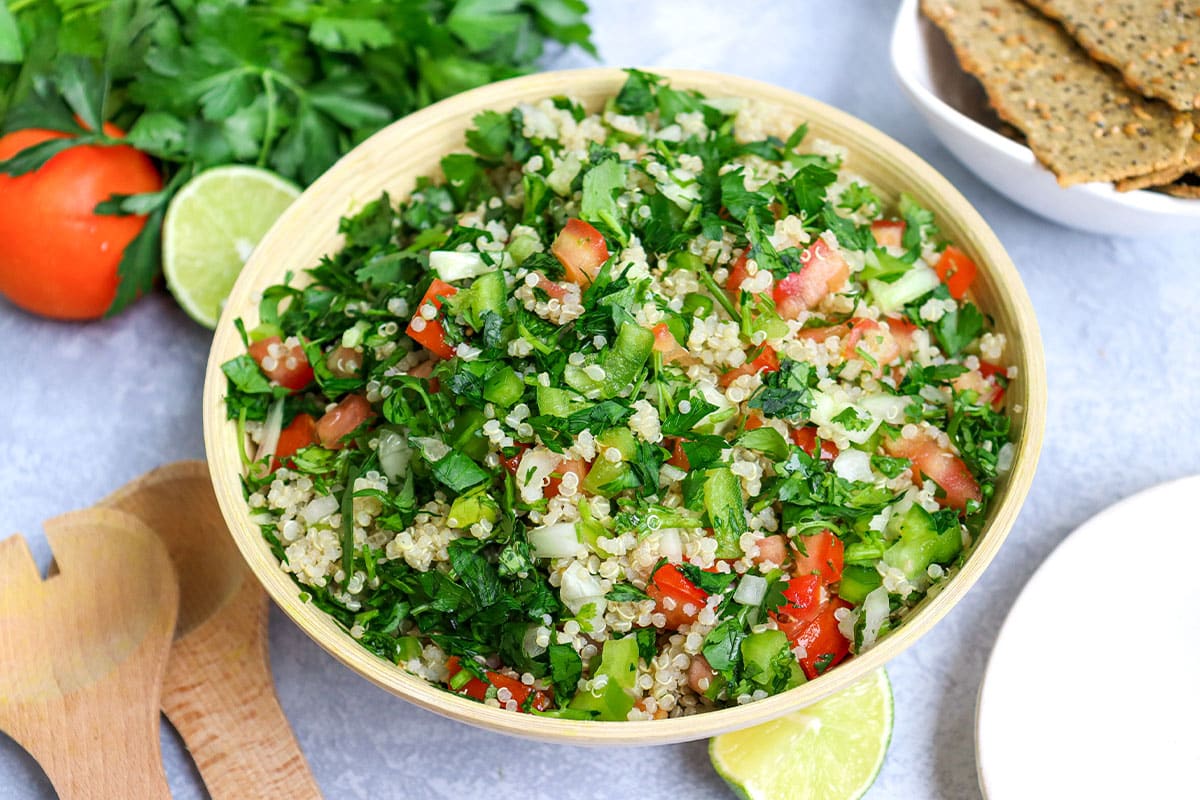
[955, 331]
[626, 593]
[601, 185]
[787, 393]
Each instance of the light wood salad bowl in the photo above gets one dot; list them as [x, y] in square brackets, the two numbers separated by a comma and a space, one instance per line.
[395, 157]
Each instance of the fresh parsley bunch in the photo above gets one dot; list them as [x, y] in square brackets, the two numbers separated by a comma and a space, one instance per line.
[288, 85]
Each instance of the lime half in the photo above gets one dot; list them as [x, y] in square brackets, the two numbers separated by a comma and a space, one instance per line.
[211, 227]
[832, 750]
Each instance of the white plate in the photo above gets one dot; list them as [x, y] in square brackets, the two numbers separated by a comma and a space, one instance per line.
[955, 107]
[1093, 689]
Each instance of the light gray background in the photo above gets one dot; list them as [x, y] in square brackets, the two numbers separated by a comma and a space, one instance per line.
[89, 407]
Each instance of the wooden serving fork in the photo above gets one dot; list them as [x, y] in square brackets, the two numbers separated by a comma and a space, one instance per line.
[83, 654]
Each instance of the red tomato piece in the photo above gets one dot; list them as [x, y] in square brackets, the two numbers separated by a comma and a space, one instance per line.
[806, 439]
[581, 249]
[342, 420]
[737, 274]
[824, 271]
[804, 594]
[773, 549]
[552, 289]
[888, 232]
[674, 595]
[678, 456]
[754, 422]
[301, 433]
[287, 366]
[666, 343]
[902, 332]
[517, 690]
[942, 467]
[575, 466]
[956, 269]
[821, 554]
[430, 333]
[344, 362]
[824, 646]
[766, 361]
[513, 462]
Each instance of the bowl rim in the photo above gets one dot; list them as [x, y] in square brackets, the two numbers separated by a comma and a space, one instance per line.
[907, 44]
[225, 466]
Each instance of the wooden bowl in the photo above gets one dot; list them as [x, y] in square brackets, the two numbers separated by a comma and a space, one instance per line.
[395, 157]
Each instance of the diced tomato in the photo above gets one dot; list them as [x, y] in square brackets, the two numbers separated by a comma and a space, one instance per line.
[806, 439]
[902, 332]
[824, 271]
[956, 269]
[301, 433]
[576, 466]
[666, 343]
[552, 289]
[999, 376]
[287, 366]
[582, 251]
[821, 554]
[754, 422]
[700, 674]
[824, 646]
[674, 595]
[738, 272]
[983, 384]
[773, 549]
[477, 688]
[678, 456]
[888, 232]
[342, 420]
[766, 361]
[344, 362]
[513, 462]
[942, 467]
[430, 333]
[804, 594]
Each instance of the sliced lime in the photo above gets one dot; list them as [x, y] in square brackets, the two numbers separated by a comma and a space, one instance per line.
[211, 227]
[832, 750]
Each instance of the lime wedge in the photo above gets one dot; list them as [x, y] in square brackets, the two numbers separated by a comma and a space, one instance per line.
[211, 227]
[832, 750]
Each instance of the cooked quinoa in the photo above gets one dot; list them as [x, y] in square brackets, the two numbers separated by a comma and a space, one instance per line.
[632, 414]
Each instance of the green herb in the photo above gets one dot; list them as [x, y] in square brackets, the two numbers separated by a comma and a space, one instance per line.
[279, 84]
[786, 393]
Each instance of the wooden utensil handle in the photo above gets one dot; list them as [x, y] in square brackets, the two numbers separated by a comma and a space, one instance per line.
[223, 703]
[105, 757]
[234, 762]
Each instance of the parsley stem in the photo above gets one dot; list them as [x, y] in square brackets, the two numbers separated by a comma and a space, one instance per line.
[715, 291]
[268, 139]
[348, 524]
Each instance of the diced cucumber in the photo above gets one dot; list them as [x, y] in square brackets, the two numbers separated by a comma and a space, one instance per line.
[476, 505]
[765, 654]
[605, 473]
[621, 364]
[504, 387]
[892, 297]
[407, 648]
[920, 543]
[465, 436]
[618, 664]
[725, 506]
[559, 402]
[857, 582]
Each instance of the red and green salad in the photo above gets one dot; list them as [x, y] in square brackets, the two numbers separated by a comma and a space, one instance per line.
[627, 414]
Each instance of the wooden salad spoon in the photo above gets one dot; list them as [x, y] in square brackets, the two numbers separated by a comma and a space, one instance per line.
[219, 692]
[83, 654]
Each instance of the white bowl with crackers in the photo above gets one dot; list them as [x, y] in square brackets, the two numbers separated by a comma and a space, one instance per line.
[1097, 154]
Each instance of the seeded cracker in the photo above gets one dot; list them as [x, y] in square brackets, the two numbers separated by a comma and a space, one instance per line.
[1154, 43]
[1162, 177]
[1187, 186]
[1080, 119]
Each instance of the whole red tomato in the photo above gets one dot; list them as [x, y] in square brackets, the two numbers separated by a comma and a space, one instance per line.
[57, 257]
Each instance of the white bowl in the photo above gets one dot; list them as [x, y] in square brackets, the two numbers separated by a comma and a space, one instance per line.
[954, 105]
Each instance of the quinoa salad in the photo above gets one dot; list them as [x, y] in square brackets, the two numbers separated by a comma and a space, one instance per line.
[626, 415]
